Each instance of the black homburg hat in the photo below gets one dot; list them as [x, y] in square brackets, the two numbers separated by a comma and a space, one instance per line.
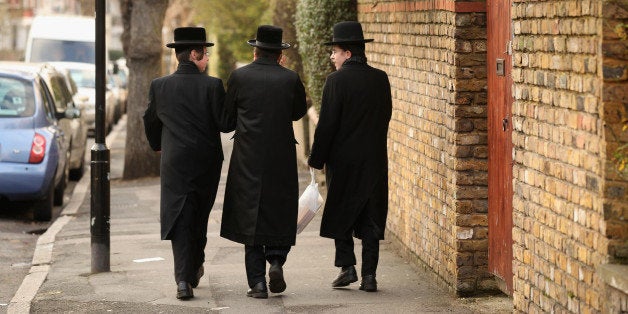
[348, 32]
[189, 36]
[268, 37]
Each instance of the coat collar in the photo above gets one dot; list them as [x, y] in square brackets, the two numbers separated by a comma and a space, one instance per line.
[265, 61]
[187, 67]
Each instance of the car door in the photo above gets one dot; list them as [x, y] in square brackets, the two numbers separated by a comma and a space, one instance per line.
[61, 137]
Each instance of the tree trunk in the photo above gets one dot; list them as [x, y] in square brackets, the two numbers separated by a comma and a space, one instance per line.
[284, 15]
[142, 44]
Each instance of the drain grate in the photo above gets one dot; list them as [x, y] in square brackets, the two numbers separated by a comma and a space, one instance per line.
[37, 231]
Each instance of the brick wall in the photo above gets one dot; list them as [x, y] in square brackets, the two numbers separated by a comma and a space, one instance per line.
[615, 99]
[570, 74]
[435, 55]
[559, 228]
[615, 71]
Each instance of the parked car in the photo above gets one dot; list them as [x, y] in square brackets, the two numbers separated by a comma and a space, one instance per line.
[84, 76]
[62, 92]
[79, 126]
[120, 74]
[118, 94]
[118, 88]
[34, 150]
[61, 38]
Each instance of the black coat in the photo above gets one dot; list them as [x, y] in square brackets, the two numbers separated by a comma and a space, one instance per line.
[183, 120]
[350, 139]
[262, 192]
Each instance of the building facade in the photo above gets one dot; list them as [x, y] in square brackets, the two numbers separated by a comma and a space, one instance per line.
[16, 17]
[507, 114]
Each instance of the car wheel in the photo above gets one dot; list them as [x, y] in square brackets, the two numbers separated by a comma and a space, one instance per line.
[42, 210]
[77, 174]
[60, 189]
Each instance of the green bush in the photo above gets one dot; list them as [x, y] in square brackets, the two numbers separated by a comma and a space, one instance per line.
[314, 22]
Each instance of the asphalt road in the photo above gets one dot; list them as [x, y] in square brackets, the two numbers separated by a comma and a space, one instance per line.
[18, 237]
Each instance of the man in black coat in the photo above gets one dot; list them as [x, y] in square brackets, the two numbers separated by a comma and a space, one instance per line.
[261, 197]
[183, 121]
[350, 139]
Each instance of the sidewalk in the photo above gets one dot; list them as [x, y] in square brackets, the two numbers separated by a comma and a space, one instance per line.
[141, 278]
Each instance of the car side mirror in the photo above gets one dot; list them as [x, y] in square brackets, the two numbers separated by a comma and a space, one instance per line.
[60, 115]
[74, 112]
[71, 113]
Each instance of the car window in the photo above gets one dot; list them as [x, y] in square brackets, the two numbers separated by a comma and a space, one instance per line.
[84, 78]
[122, 76]
[48, 101]
[60, 92]
[71, 84]
[63, 50]
[16, 98]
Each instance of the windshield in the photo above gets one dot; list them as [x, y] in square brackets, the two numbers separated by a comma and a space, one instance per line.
[84, 78]
[62, 50]
[16, 98]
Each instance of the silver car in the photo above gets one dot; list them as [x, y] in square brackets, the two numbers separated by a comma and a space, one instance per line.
[78, 126]
[84, 75]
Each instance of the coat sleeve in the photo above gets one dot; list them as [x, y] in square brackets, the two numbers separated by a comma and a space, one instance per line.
[327, 127]
[229, 115]
[152, 124]
[300, 103]
[217, 99]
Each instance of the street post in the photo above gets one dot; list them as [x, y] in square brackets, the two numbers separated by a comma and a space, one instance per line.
[100, 220]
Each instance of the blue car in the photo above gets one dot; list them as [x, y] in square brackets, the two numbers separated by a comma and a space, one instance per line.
[34, 151]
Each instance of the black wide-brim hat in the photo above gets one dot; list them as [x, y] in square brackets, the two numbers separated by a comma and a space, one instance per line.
[189, 36]
[348, 32]
[269, 37]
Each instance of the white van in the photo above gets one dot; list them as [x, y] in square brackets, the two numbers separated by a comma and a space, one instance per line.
[61, 38]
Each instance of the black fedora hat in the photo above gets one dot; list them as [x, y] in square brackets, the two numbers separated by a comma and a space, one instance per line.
[268, 37]
[189, 36]
[348, 32]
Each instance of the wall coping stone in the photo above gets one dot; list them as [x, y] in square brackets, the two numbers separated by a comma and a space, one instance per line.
[615, 275]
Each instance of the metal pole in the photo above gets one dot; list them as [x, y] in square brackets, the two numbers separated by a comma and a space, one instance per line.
[100, 158]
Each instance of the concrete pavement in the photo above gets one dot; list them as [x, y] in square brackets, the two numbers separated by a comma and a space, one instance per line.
[141, 278]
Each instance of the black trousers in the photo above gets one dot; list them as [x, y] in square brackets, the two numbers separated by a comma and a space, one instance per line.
[189, 236]
[370, 235]
[346, 257]
[255, 258]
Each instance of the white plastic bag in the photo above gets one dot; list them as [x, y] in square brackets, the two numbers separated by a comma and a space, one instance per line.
[309, 203]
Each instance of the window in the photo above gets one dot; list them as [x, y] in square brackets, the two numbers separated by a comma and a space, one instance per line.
[59, 92]
[16, 98]
[48, 102]
[84, 78]
[63, 50]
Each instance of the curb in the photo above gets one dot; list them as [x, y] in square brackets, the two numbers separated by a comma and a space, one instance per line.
[42, 257]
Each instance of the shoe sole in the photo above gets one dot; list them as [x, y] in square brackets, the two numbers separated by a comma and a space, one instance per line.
[344, 283]
[258, 295]
[184, 296]
[368, 289]
[276, 284]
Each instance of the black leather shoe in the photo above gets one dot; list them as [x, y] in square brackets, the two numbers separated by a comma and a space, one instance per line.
[258, 291]
[276, 284]
[347, 275]
[199, 274]
[184, 290]
[368, 284]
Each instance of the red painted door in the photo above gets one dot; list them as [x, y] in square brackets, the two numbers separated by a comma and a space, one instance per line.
[500, 141]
